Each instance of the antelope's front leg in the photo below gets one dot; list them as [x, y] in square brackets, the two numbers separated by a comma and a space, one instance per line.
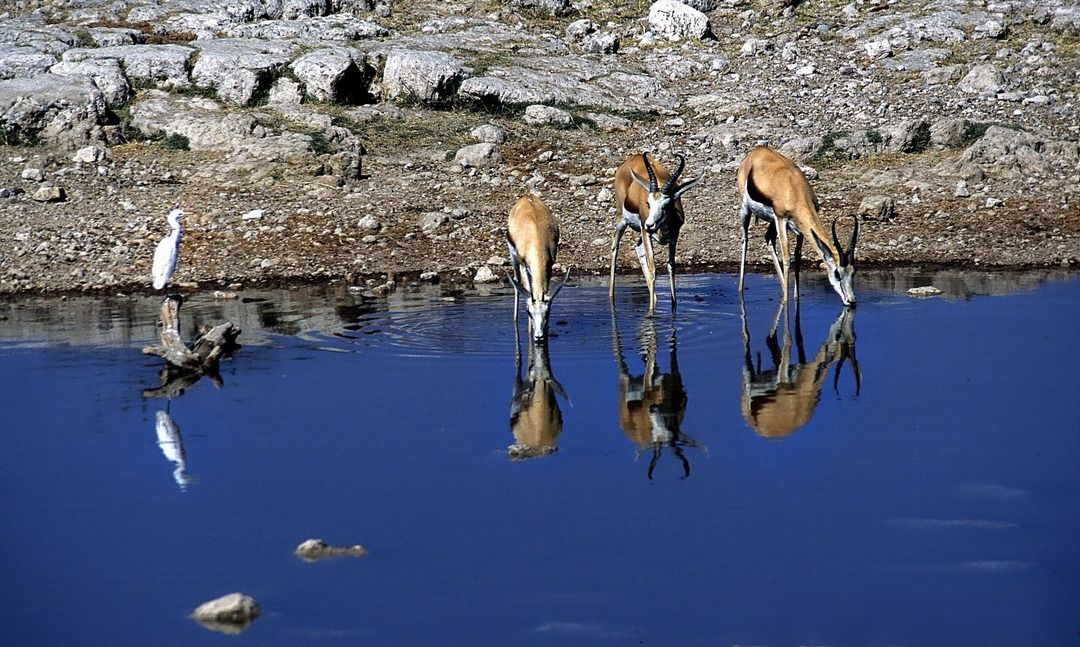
[671, 272]
[778, 233]
[648, 268]
[798, 262]
[620, 229]
[515, 267]
[744, 216]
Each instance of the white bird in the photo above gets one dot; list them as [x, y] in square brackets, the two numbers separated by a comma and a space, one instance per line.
[167, 251]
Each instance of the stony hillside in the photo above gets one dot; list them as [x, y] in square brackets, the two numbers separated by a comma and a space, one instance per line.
[309, 139]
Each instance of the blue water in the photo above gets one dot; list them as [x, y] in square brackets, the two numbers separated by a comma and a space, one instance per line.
[937, 505]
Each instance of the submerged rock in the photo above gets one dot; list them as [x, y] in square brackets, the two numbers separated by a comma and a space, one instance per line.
[311, 550]
[230, 613]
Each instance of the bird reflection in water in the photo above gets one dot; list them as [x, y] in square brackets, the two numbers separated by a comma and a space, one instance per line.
[652, 405]
[777, 401]
[172, 446]
[535, 417]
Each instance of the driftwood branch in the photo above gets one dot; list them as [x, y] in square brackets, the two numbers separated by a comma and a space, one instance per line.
[187, 365]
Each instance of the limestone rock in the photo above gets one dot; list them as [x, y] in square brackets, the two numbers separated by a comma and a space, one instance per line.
[478, 155]
[240, 70]
[337, 74]
[19, 62]
[488, 133]
[430, 77]
[547, 115]
[107, 75]
[983, 79]
[156, 65]
[68, 111]
[673, 19]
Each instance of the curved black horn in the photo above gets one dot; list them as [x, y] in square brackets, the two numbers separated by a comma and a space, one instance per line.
[652, 176]
[672, 181]
[854, 237]
[836, 241]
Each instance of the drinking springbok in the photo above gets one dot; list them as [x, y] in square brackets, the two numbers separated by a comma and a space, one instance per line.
[774, 190]
[653, 209]
[532, 235]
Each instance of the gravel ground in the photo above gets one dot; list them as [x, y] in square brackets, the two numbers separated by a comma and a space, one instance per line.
[429, 215]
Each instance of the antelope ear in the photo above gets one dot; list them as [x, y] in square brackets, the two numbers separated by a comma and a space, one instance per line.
[512, 275]
[641, 182]
[560, 285]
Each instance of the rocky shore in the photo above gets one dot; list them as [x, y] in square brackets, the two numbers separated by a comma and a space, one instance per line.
[359, 139]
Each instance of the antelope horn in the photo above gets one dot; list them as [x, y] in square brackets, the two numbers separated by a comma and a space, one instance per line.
[854, 236]
[672, 182]
[652, 175]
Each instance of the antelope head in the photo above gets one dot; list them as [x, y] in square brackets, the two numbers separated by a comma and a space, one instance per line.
[662, 199]
[841, 266]
[539, 306]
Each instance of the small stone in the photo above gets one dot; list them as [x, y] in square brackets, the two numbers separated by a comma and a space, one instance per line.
[432, 220]
[233, 609]
[924, 291]
[488, 134]
[496, 261]
[485, 275]
[50, 194]
[540, 115]
[254, 214]
[369, 223]
[33, 174]
[311, 550]
[225, 296]
[89, 155]
[478, 155]
[429, 276]
[878, 207]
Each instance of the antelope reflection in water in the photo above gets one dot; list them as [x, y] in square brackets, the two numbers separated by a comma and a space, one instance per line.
[778, 401]
[172, 446]
[652, 405]
[535, 417]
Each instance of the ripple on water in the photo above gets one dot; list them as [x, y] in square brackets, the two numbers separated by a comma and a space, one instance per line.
[481, 324]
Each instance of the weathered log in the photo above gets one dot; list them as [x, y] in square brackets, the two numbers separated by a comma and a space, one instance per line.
[207, 351]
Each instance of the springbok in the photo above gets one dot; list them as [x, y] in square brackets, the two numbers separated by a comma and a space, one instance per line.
[652, 405]
[652, 208]
[774, 190]
[532, 235]
[535, 417]
[777, 401]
